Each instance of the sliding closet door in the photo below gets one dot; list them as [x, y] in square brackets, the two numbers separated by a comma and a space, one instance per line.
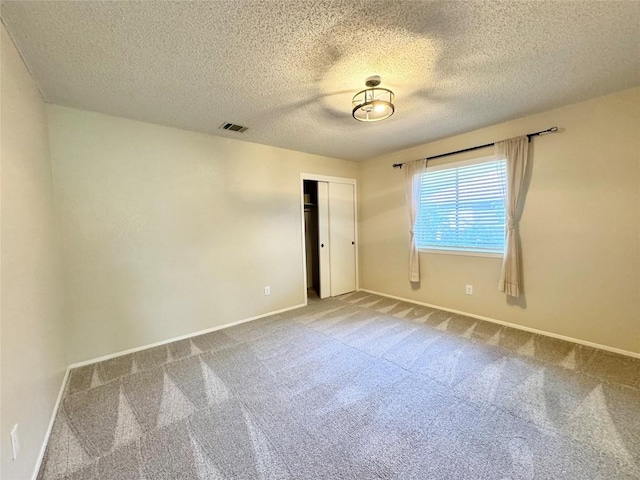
[323, 239]
[342, 233]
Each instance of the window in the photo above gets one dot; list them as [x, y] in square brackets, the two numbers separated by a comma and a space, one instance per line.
[462, 208]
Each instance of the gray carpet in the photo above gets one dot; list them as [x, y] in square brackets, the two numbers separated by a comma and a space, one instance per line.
[355, 387]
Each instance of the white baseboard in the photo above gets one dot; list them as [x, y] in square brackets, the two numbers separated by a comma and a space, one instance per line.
[50, 427]
[132, 350]
[182, 337]
[512, 325]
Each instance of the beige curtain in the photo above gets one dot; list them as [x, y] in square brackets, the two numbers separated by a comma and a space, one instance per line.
[515, 151]
[412, 172]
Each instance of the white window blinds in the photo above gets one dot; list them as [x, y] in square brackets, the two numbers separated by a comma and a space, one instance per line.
[462, 208]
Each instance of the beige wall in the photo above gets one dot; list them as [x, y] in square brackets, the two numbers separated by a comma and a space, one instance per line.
[168, 232]
[579, 228]
[33, 359]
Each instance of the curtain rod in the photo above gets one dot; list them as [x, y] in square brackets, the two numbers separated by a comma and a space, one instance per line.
[529, 135]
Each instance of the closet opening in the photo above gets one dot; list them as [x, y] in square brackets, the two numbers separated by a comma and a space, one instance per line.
[329, 235]
[312, 244]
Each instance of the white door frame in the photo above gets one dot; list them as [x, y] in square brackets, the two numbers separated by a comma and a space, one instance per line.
[325, 178]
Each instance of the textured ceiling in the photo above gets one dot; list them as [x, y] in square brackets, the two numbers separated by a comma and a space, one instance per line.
[287, 69]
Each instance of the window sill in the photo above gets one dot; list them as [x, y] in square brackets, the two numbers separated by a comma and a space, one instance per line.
[462, 253]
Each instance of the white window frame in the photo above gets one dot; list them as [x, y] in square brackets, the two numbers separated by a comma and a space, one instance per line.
[456, 164]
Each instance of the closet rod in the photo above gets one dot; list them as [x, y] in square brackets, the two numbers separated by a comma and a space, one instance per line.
[529, 135]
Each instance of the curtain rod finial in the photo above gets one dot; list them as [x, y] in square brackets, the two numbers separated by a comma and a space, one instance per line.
[551, 130]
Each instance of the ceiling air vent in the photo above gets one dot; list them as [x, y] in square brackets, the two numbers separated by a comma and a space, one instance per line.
[233, 127]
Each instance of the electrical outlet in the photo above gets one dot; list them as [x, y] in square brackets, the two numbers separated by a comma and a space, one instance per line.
[15, 441]
[267, 290]
[469, 290]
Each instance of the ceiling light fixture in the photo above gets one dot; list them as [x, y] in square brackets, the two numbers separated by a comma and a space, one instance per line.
[373, 104]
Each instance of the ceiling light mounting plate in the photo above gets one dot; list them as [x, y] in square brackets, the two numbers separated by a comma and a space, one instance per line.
[373, 81]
